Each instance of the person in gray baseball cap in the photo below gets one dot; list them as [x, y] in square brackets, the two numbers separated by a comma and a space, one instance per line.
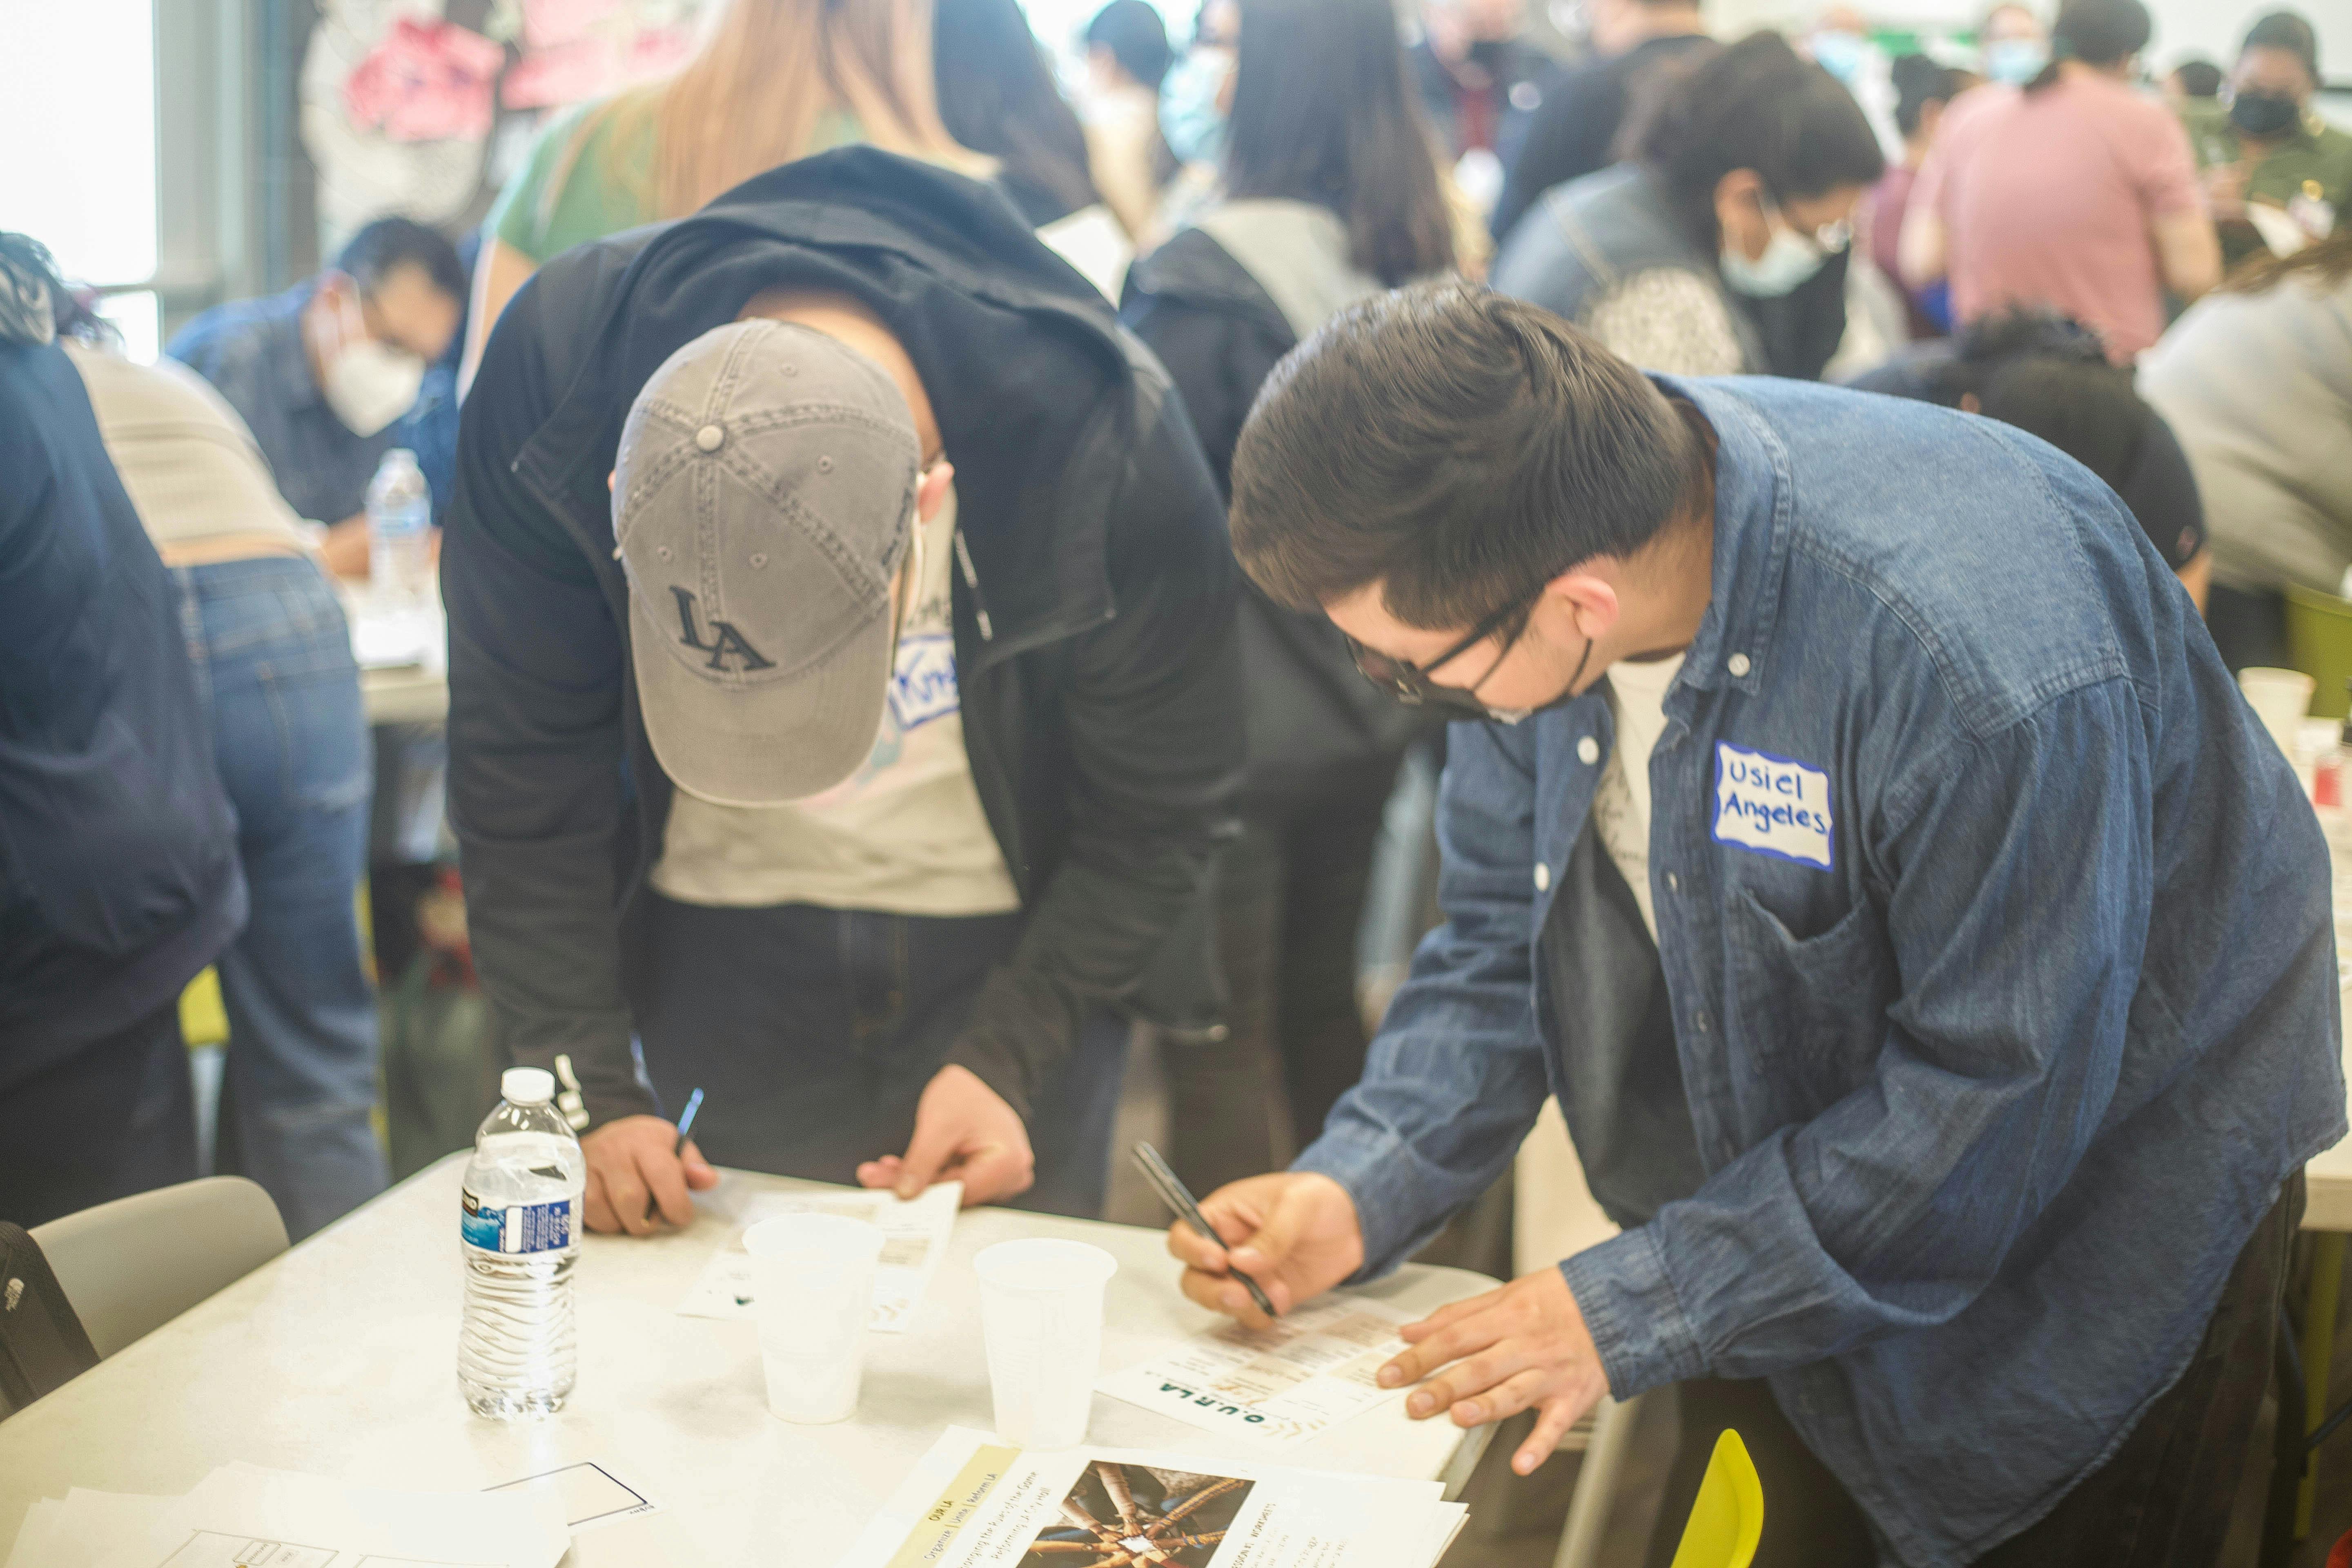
[765, 503]
[844, 693]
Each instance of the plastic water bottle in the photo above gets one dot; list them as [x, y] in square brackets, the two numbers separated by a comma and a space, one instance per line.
[519, 1230]
[399, 538]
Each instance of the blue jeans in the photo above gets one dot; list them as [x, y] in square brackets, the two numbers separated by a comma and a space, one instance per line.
[812, 1033]
[273, 660]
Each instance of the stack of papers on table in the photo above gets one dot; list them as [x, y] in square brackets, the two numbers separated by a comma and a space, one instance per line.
[973, 1502]
[242, 1515]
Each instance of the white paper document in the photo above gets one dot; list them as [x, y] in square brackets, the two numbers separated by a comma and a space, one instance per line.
[242, 1515]
[914, 1232]
[84, 1530]
[1309, 1372]
[973, 1502]
[589, 1495]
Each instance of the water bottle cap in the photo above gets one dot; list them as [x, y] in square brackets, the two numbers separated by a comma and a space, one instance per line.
[527, 1086]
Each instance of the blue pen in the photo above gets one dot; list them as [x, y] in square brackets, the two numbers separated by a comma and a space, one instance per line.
[685, 1126]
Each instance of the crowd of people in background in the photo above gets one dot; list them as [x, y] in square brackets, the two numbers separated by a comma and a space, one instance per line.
[2023, 224]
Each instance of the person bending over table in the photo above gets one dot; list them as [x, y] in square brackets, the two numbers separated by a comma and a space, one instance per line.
[324, 374]
[1847, 821]
[843, 691]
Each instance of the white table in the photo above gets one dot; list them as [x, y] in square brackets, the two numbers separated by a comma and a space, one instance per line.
[405, 694]
[339, 1359]
[414, 686]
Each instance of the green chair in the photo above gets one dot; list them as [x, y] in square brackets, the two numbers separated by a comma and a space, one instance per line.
[2319, 644]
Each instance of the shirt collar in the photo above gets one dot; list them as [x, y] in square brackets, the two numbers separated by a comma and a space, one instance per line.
[1752, 502]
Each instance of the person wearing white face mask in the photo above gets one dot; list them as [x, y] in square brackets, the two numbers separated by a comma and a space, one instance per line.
[2016, 49]
[323, 372]
[1745, 171]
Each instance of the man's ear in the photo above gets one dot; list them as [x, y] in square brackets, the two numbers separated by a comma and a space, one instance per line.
[931, 489]
[1588, 599]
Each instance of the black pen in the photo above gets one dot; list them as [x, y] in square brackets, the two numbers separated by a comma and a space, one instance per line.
[1173, 1194]
[685, 1126]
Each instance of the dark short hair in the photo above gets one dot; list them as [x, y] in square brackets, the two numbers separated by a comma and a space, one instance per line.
[1919, 82]
[389, 244]
[1136, 39]
[2198, 77]
[2099, 32]
[2289, 32]
[1459, 447]
[1756, 105]
[2011, 333]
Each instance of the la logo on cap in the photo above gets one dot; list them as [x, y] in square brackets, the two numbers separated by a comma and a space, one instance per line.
[728, 640]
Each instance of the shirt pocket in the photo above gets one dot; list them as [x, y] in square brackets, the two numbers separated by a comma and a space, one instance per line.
[1812, 1010]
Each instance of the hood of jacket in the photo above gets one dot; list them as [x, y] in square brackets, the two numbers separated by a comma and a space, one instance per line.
[1293, 268]
[1298, 253]
[957, 276]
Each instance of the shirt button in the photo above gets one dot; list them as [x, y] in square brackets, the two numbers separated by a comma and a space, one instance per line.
[1543, 875]
[1700, 1019]
[1588, 751]
[1738, 664]
[1673, 883]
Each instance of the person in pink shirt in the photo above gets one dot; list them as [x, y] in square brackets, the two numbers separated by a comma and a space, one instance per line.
[2073, 191]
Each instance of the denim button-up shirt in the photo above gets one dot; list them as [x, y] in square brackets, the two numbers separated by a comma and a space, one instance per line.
[1997, 938]
[251, 351]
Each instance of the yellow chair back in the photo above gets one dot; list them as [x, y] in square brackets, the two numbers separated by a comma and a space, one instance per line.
[203, 1019]
[1727, 1520]
[2319, 644]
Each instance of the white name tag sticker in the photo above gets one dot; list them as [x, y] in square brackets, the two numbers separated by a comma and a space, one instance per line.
[923, 687]
[1772, 805]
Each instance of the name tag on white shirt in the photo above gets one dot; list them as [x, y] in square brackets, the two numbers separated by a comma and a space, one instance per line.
[1772, 805]
[924, 686]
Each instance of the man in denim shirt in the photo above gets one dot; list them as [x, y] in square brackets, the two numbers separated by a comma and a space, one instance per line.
[1962, 1098]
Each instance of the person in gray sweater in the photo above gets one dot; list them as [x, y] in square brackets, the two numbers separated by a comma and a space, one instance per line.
[2256, 380]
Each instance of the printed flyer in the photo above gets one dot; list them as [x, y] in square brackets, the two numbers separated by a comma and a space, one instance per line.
[973, 1502]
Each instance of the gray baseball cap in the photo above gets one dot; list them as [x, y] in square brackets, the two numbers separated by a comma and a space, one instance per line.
[763, 500]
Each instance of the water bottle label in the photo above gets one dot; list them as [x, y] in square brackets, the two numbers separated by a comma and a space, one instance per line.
[518, 1227]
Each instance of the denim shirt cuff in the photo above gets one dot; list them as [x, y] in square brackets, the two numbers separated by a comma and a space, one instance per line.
[1366, 1163]
[1630, 1309]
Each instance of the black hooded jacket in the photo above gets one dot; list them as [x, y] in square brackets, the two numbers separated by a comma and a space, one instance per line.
[1093, 629]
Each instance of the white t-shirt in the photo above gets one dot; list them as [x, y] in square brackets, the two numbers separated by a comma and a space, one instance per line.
[1620, 802]
[903, 834]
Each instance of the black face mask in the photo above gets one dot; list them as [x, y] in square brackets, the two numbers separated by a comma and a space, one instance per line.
[2263, 113]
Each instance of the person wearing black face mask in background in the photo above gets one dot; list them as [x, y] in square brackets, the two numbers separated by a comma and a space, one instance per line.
[2277, 175]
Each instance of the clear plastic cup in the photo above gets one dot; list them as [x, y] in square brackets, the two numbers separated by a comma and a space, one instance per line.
[1041, 1308]
[2280, 698]
[812, 1282]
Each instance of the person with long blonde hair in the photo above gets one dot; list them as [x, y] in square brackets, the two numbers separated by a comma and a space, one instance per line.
[774, 80]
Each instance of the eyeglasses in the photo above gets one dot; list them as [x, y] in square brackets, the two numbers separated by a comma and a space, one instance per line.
[1411, 684]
